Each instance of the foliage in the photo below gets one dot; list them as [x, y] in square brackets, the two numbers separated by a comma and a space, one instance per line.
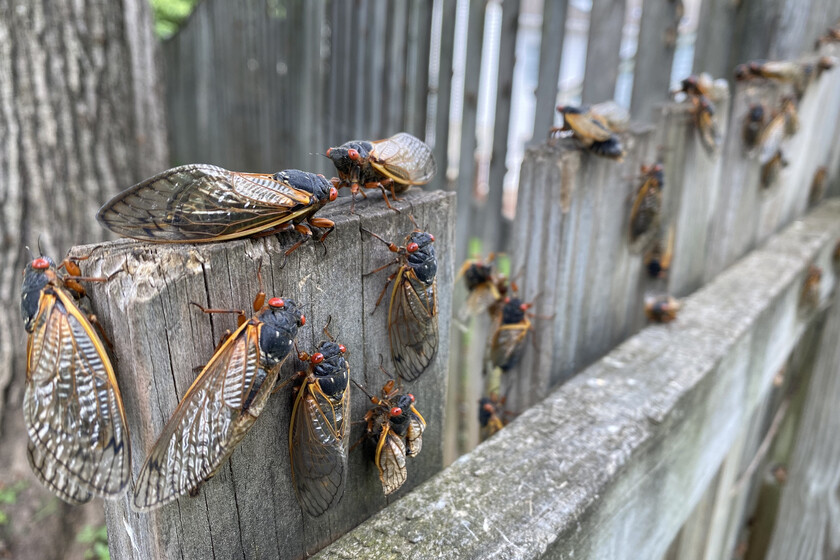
[97, 538]
[170, 14]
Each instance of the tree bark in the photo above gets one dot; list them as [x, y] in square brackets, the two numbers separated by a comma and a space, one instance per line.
[80, 118]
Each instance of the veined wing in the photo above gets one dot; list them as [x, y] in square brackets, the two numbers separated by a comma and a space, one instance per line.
[318, 443]
[198, 203]
[390, 460]
[414, 433]
[404, 158]
[587, 127]
[79, 444]
[215, 414]
[412, 324]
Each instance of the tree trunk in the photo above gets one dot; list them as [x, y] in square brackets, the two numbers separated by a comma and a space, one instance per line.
[80, 119]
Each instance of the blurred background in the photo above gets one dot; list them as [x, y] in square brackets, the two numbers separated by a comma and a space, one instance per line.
[97, 95]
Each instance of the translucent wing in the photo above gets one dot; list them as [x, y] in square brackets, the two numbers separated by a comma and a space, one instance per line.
[507, 344]
[412, 324]
[79, 443]
[390, 460]
[404, 158]
[770, 139]
[644, 216]
[414, 433]
[318, 442]
[217, 411]
[199, 203]
[587, 128]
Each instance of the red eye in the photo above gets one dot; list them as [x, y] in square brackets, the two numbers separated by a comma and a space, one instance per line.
[432, 237]
[396, 411]
[317, 358]
[412, 247]
[333, 193]
[524, 307]
[342, 349]
[353, 154]
[489, 408]
[329, 151]
[302, 320]
[40, 263]
[277, 302]
[410, 396]
[507, 300]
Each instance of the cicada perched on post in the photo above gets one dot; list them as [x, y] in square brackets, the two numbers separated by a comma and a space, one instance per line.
[661, 309]
[510, 331]
[485, 288]
[202, 203]
[591, 130]
[393, 164]
[753, 125]
[657, 260]
[319, 431]
[397, 428]
[221, 405]
[491, 416]
[647, 205]
[78, 437]
[412, 313]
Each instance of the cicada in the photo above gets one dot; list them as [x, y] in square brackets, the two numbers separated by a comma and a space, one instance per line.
[486, 289]
[78, 436]
[202, 203]
[397, 428]
[221, 405]
[319, 431]
[695, 85]
[704, 119]
[809, 298]
[784, 71]
[645, 213]
[753, 125]
[791, 115]
[658, 258]
[662, 309]
[490, 416]
[412, 313]
[592, 131]
[509, 334]
[394, 164]
[771, 168]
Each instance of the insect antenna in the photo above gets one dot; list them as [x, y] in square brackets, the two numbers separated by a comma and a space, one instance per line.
[365, 391]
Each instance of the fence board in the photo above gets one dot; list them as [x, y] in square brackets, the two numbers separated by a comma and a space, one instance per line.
[713, 46]
[654, 54]
[551, 51]
[249, 508]
[591, 471]
[606, 20]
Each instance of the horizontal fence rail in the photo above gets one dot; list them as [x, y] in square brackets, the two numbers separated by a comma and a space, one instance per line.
[248, 509]
[593, 471]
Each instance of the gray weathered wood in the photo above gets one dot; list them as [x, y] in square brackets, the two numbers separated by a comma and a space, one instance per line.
[441, 90]
[713, 46]
[606, 20]
[249, 509]
[654, 56]
[591, 471]
[551, 51]
[805, 526]
[570, 255]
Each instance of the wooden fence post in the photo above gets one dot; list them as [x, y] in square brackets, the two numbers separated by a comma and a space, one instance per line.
[248, 509]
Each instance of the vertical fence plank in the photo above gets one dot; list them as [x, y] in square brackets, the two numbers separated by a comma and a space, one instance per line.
[443, 92]
[654, 56]
[713, 46]
[395, 71]
[606, 20]
[551, 50]
[491, 221]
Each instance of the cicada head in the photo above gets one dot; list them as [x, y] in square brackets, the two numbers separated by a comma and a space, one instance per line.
[421, 255]
[514, 311]
[330, 368]
[476, 274]
[350, 155]
[321, 189]
[281, 319]
[35, 279]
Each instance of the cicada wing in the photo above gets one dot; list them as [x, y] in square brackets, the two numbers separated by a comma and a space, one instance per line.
[412, 324]
[390, 460]
[414, 433]
[481, 298]
[405, 159]
[587, 128]
[215, 414]
[318, 444]
[709, 134]
[644, 216]
[72, 406]
[199, 203]
[507, 345]
[770, 140]
[51, 475]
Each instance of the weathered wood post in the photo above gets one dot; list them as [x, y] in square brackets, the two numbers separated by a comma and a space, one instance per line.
[249, 510]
